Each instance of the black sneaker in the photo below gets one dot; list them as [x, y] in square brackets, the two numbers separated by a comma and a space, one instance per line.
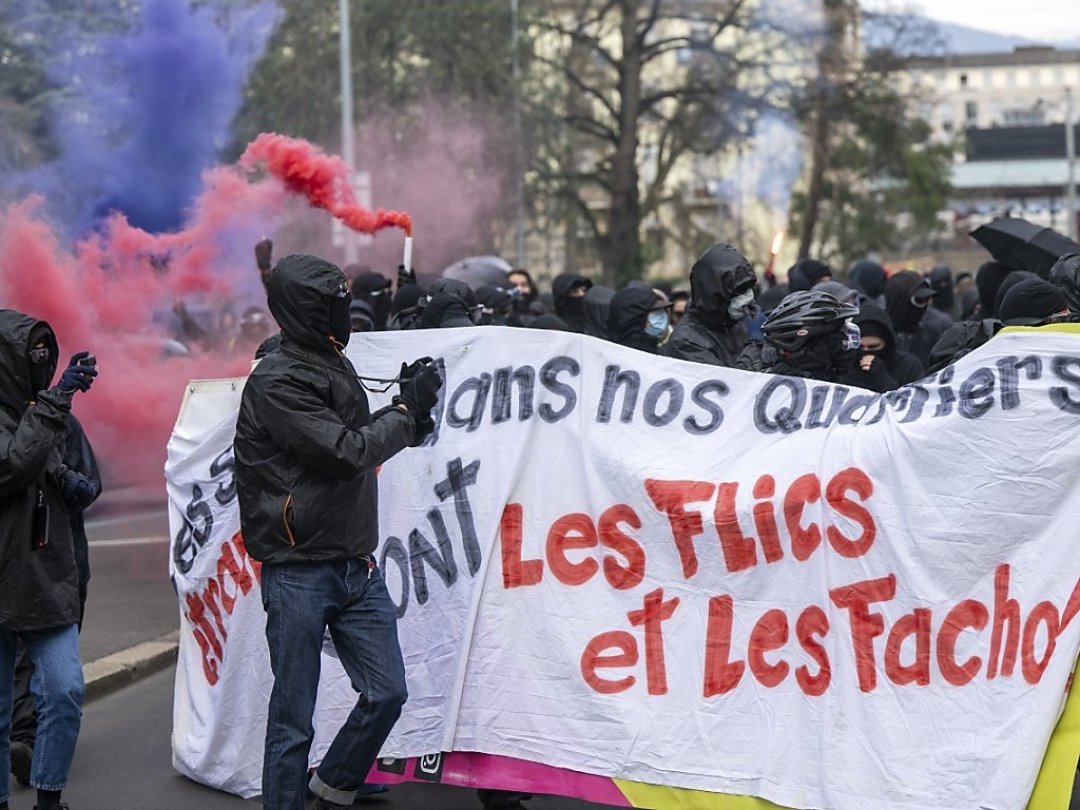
[321, 804]
[22, 757]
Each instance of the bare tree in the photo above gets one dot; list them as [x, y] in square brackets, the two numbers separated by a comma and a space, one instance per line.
[620, 91]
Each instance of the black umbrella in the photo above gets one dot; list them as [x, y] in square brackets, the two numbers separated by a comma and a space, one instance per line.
[1023, 245]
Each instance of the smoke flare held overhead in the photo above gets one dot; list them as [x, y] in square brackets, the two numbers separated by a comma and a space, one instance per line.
[323, 179]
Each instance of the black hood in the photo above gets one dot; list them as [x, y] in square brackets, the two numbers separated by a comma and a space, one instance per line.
[867, 277]
[571, 310]
[626, 317]
[899, 288]
[873, 314]
[300, 290]
[941, 282]
[719, 274]
[1010, 281]
[445, 311]
[374, 288]
[18, 332]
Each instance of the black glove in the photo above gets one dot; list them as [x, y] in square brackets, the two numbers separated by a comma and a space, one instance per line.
[420, 391]
[405, 276]
[79, 491]
[264, 252]
[409, 371]
[79, 375]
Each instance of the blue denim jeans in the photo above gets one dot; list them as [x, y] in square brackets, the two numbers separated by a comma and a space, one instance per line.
[57, 685]
[301, 601]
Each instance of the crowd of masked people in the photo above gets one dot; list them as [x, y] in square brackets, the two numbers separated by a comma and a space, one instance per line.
[873, 329]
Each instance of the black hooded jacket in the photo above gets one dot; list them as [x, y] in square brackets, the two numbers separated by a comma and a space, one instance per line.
[891, 368]
[306, 444]
[708, 333]
[39, 587]
[571, 310]
[626, 320]
[913, 334]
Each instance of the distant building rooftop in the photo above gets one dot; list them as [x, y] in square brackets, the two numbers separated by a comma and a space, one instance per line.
[1020, 55]
[1010, 176]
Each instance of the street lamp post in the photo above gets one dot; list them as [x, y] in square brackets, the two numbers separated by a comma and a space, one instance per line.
[1070, 156]
[348, 146]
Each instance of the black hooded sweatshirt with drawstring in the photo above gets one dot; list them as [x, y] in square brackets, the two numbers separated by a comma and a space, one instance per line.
[39, 586]
[708, 333]
[307, 445]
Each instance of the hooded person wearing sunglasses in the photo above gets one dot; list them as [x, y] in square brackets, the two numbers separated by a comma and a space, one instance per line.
[714, 330]
[307, 449]
[907, 297]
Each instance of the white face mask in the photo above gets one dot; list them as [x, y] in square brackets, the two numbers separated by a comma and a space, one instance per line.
[737, 306]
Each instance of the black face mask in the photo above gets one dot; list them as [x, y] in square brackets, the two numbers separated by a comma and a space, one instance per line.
[40, 364]
[380, 302]
[341, 320]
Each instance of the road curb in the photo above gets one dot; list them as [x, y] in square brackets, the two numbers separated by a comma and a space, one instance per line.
[123, 668]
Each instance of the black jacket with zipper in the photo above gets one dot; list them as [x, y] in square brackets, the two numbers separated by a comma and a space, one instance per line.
[306, 444]
[39, 586]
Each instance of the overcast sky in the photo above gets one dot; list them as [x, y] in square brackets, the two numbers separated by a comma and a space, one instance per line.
[1050, 20]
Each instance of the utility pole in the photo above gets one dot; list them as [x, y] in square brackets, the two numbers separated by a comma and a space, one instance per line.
[348, 145]
[1070, 157]
[519, 190]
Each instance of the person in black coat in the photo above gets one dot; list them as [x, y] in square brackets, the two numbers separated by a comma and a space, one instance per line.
[40, 580]
[713, 330]
[907, 297]
[307, 448]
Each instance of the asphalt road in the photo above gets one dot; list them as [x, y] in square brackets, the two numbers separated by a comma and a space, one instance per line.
[123, 762]
[130, 598]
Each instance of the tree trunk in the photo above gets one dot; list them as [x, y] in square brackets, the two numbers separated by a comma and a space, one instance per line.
[832, 65]
[620, 249]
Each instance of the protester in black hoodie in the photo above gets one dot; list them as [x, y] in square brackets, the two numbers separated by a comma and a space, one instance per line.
[810, 334]
[907, 296]
[721, 296]
[1033, 302]
[880, 366]
[307, 449]
[639, 318]
[569, 291]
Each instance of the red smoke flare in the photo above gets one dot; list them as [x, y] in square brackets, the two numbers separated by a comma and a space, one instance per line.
[322, 178]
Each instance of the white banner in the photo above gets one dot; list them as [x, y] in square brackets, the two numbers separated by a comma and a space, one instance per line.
[670, 573]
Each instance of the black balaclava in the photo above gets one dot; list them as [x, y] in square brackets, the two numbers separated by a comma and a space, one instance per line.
[341, 318]
[941, 282]
[824, 357]
[1065, 275]
[374, 289]
[899, 289]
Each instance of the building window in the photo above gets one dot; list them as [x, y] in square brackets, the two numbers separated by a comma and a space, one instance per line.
[1035, 77]
[1059, 76]
[971, 113]
[963, 80]
[988, 78]
[1010, 78]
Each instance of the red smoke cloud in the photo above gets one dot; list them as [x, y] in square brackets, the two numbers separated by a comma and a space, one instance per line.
[109, 295]
[322, 178]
